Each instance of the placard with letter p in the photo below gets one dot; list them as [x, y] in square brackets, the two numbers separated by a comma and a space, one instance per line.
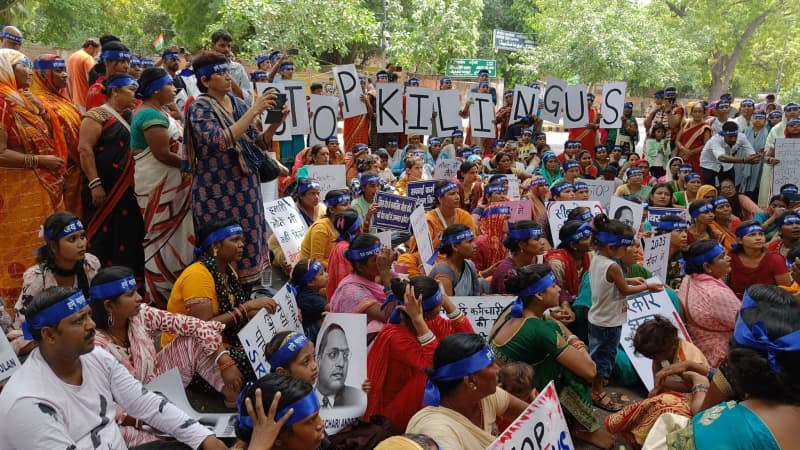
[350, 91]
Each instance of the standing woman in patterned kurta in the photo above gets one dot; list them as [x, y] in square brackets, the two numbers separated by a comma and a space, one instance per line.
[224, 150]
[163, 192]
[32, 168]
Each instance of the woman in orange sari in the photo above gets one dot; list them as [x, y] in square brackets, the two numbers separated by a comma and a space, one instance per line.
[692, 136]
[32, 169]
[51, 87]
[356, 128]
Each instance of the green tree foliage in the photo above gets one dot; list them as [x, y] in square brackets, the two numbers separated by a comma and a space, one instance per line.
[189, 19]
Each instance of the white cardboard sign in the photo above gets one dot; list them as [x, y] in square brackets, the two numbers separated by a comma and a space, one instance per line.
[626, 211]
[576, 110]
[288, 227]
[656, 254]
[330, 177]
[481, 115]
[448, 105]
[612, 105]
[324, 114]
[9, 363]
[526, 102]
[557, 213]
[419, 109]
[553, 99]
[389, 107]
[350, 91]
[419, 225]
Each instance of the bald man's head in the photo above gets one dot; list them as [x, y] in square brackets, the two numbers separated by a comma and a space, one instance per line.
[12, 37]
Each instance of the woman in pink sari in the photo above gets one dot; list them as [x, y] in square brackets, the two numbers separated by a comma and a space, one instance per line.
[710, 306]
[363, 290]
[348, 224]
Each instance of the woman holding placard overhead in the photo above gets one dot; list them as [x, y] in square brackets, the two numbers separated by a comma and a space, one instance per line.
[462, 399]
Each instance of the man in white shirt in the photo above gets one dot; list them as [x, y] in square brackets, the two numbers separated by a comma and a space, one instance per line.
[64, 396]
[722, 151]
[790, 111]
[222, 41]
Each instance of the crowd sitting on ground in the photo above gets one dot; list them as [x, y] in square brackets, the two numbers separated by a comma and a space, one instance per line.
[135, 213]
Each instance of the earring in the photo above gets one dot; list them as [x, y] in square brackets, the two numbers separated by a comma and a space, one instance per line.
[215, 252]
[110, 320]
[474, 387]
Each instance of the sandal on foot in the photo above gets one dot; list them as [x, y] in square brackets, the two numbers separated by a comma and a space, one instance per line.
[604, 401]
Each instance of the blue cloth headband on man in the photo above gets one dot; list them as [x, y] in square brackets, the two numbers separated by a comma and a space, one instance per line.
[658, 94]
[276, 55]
[613, 239]
[53, 314]
[705, 208]
[756, 336]
[261, 58]
[445, 80]
[456, 370]
[147, 63]
[290, 347]
[112, 289]
[627, 105]
[789, 219]
[211, 69]
[166, 56]
[12, 37]
[483, 84]
[135, 61]
[287, 66]
[259, 75]
[538, 287]
[791, 106]
[115, 55]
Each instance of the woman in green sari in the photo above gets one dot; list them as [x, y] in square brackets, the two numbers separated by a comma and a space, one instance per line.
[528, 335]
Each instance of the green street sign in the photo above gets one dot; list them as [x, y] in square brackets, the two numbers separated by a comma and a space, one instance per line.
[468, 68]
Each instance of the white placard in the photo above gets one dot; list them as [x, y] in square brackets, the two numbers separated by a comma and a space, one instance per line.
[180, 99]
[264, 326]
[541, 426]
[385, 238]
[612, 105]
[557, 213]
[626, 211]
[656, 254]
[170, 386]
[641, 307]
[483, 311]
[481, 115]
[601, 191]
[448, 108]
[787, 151]
[283, 132]
[324, 113]
[191, 85]
[288, 227]
[513, 188]
[297, 121]
[419, 108]
[576, 110]
[350, 91]
[341, 377]
[330, 177]
[553, 99]
[526, 102]
[389, 108]
[419, 225]
[9, 363]
[446, 169]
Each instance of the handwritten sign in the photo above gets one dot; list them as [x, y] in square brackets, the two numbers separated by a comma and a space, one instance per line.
[350, 92]
[389, 107]
[481, 115]
[557, 213]
[613, 102]
[541, 426]
[482, 311]
[288, 227]
[520, 210]
[394, 211]
[656, 254]
[324, 113]
[9, 363]
[787, 151]
[601, 191]
[446, 169]
[654, 214]
[513, 188]
[264, 326]
[626, 211]
[423, 191]
[330, 177]
[641, 307]
[422, 234]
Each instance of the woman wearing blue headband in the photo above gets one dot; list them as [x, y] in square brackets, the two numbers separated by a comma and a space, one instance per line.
[526, 243]
[156, 137]
[470, 187]
[62, 260]
[279, 412]
[788, 227]
[462, 399]
[306, 201]
[692, 184]
[550, 168]
[404, 348]
[751, 263]
[307, 282]
[676, 227]
[702, 214]
[760, 370]
[634, 189]
[126, 328]
[457, 272]
[209, 289]
[321, 236]
[348, 224]
[114, 58]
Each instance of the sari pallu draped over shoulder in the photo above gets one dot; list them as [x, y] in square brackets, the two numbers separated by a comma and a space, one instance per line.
[27, 196]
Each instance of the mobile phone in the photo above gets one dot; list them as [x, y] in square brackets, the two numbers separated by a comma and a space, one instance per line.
[292, 51]
[275, 113]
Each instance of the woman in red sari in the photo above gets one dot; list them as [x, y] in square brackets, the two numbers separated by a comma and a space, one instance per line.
[588, 135]
[692, 136]
[404, 348]
[51, 87]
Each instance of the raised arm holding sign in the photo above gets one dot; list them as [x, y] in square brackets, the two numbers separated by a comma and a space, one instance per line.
[349, 90]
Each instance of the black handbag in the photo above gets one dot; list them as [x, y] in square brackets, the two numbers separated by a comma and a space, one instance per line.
[268, 170]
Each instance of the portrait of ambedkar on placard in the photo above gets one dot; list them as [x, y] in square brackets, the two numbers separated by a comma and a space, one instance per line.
[333, 358]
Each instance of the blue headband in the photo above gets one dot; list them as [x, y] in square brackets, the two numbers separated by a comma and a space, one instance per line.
[456, 370]
[370, 178]
[331, 139]
[559, 188]
[774, 114]
[315, 268]
[627, 105]
[156, 84]
[457, 133]
[382, 75]
[290, 347]
[222, 234]
[585, 216]
[791, 107]
[274, 56]
[337, 200]
[540, 181]
[722, 105]
[302, 188]
[493, 187]
[360, 148]
[135, 61]
[523, 234]
[793, 122]
[571, 164]
[747, 102]
[483, 84]
[211, 69]
[434, 141]
[668, 225]
[536, 288]
[350, 233]
[749, 229]
[464, 152]
[508, 94]
[724, 133]
[444, 80]
[454, 239]
[54, 314]
[49, 64]
[261, 58]
[719, 201]
[12, 37]
[413, 82]
[303, 408]
[548, 156]
[499, 143]
[670, 90]
[633, 171]
[73, 226]
[259, 75]
[706, 257]
[428, 304]
[123, 81]
[115, 55]
[584, 231]
[287, 66]
[170, 55]
[686, 168]
[658, 94]
[600, 148]
[757, 338]
[581, 186]
[759, 115]
[612, 239]
[789, 219]
[706, 208]
[789, 190]
[440, 192]
[364, 253]
[693, 176]
[496, 211]
[112, 289]
[147, 62]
